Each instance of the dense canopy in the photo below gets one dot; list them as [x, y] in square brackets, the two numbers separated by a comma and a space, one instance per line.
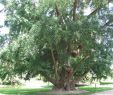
[58, 40]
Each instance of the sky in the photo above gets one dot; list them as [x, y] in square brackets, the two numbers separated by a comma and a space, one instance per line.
[5, 30]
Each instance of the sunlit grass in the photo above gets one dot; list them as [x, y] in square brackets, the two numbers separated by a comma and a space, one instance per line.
[20, 91]
[94, 89]
[26, 91]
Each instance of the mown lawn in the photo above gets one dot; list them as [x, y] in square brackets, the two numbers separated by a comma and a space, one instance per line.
[94, 90]
[20, 91]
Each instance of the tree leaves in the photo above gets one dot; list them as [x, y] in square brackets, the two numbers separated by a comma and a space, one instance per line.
[36, 30]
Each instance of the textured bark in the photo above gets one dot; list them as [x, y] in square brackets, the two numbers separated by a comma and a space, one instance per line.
[65, 86]
[65, 81]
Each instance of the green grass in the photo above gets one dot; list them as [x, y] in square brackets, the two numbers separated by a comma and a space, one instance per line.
[20, 91]
[94, 90]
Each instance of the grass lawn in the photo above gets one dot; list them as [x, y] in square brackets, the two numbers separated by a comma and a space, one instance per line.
[20, 91]
[94, 90]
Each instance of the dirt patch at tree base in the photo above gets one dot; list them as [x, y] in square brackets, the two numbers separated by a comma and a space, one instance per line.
[63, 92]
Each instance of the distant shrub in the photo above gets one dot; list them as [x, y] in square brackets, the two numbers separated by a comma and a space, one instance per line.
[105, 83]
[11, 82]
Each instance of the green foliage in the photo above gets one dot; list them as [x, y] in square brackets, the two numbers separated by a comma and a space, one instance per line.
[38, 29]
[106, 83]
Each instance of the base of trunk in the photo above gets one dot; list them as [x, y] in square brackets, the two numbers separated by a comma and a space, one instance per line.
[65, 87]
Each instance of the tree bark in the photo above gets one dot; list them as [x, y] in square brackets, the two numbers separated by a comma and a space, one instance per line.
[74, 9]
[65, 81]
[65, 86]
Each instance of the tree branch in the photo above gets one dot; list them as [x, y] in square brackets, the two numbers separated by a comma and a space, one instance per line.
[74, 9]
[55, 64]
[58, 14]
[53, 81]
[107, 23]
[81, 77]
[81, 62]
[2, 10]
[97, 9]
[109, 1]
[94, 12]
[57, 11]
[53, 56]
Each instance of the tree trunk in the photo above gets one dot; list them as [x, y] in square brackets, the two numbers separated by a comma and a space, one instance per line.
[65, 81]
[64, 86]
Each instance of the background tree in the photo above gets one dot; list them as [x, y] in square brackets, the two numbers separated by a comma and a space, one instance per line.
[54, 38]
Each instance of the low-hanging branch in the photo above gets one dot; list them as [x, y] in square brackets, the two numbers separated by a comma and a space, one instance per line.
[53, 81]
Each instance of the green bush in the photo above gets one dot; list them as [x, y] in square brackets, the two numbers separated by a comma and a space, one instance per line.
[11, 82]
[105, 83]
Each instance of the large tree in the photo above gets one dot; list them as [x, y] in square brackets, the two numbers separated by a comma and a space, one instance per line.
[58, 40]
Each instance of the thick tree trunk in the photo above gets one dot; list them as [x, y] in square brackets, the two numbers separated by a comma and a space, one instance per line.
[64, 86]
[65, 81]
[63, 78]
